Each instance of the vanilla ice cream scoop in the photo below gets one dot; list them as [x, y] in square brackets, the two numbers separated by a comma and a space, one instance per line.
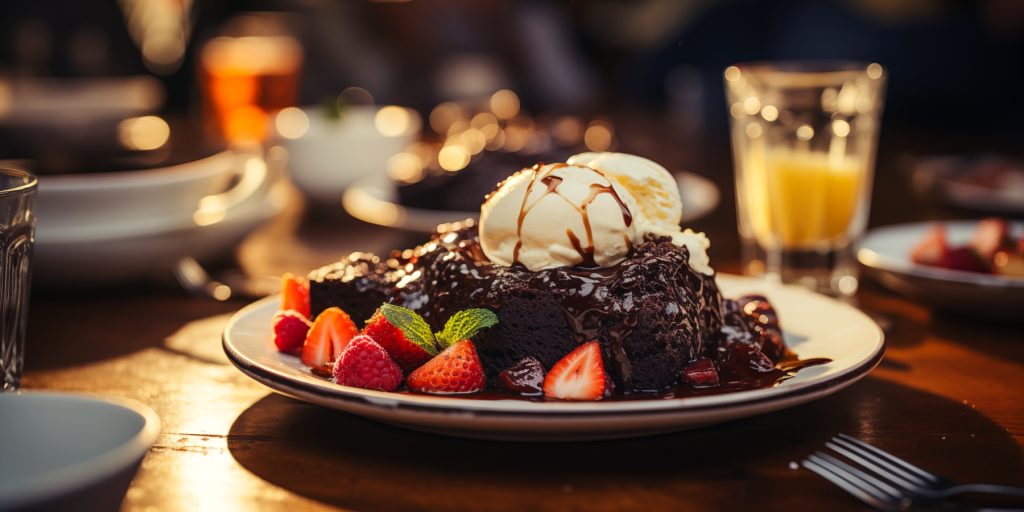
[591, 210]
[651, 185]
[558, 215]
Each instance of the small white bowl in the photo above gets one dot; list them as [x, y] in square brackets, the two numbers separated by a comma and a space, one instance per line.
[124, 203]
[70, 452]
[331, 154]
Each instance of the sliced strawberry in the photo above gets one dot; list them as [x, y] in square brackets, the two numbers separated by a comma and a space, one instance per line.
[290, 329]
[931, 248]
[295, 294]
[331, 331]
[455, 370]
[990, 235]
[701, 374]
[398, 339]
[579, 375]
[365, 364]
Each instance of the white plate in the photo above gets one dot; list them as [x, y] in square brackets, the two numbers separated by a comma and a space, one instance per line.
[70, 452]
[885, 252]
[814, 325]
[369, 201]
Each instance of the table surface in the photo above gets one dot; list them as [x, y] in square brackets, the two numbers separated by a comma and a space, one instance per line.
[947, 396]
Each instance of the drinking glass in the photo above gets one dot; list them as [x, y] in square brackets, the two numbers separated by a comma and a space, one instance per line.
[17, 224]
[804, 135]
[249, 73]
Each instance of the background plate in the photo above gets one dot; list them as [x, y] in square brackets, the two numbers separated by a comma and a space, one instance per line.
[371, 202]
[814, 325]
[885, 252]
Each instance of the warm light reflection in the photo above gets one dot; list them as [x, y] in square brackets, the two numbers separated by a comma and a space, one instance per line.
[505, 104]
[598, 136]
[804, 132]
[840, 128]
[769, 113]
[364, 206]
[486, 123]
[213, 208]
[291, 123]
[143, 133]
[443, 116]
[874, 71]
[392, 121]
[751, 105]
[754, 130]
[453, 158]
[732, 73]
[406, 167]
[473, 140]
[568, 130]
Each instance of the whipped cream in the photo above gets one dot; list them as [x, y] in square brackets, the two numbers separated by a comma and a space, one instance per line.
[590, 210]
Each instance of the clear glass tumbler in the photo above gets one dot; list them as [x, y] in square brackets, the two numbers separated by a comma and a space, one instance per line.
[804, 135]
[17, 234]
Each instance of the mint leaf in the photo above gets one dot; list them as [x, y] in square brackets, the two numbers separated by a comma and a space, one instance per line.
[412, 325]
[464, 325]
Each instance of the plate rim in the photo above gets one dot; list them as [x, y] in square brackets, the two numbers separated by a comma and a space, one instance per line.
[875, 260]
[280, 381]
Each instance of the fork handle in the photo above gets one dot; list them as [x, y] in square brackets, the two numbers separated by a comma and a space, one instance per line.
[1005, 490]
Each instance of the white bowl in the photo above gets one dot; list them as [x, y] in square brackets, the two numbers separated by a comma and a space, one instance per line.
[70, 452]
[333, 153]
[130, 202]
[125, 226]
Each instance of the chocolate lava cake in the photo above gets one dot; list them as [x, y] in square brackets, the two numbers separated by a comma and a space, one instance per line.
[652, 313]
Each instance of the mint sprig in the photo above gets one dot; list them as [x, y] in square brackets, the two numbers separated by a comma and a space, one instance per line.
[412, 325]
[464, 325]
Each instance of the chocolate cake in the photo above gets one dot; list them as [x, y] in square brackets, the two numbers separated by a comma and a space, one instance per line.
[652, 313]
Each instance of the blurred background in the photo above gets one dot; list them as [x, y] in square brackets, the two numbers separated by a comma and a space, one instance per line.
[423, 106]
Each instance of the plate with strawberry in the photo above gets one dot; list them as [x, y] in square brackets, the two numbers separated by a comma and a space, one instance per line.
[396, 370]
[974, 267]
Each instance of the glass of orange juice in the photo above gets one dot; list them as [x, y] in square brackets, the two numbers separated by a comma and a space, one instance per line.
[804, 135]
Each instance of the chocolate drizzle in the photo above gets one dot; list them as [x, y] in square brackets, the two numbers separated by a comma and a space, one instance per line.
[543, 174]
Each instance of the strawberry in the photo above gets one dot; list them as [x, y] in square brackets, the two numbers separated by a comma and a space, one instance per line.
[365, 364]
[403, 334]
[932, 248]
[295, 294]
[290, 329]
[455, 370]
[579, 375]
[331, 331]
[990, 235]
[701, 374]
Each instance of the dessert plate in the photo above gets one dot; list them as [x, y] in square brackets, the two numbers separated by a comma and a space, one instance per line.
[370, 201]
[885, 252]
[815, 326]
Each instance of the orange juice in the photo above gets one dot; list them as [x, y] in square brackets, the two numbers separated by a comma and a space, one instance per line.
[801, 199]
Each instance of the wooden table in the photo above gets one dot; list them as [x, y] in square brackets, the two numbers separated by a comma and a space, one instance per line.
[947, 396]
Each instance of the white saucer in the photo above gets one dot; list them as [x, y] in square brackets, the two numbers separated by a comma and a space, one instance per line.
[815, 326]
[369, 201]
[70, 452]
[885, 252]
